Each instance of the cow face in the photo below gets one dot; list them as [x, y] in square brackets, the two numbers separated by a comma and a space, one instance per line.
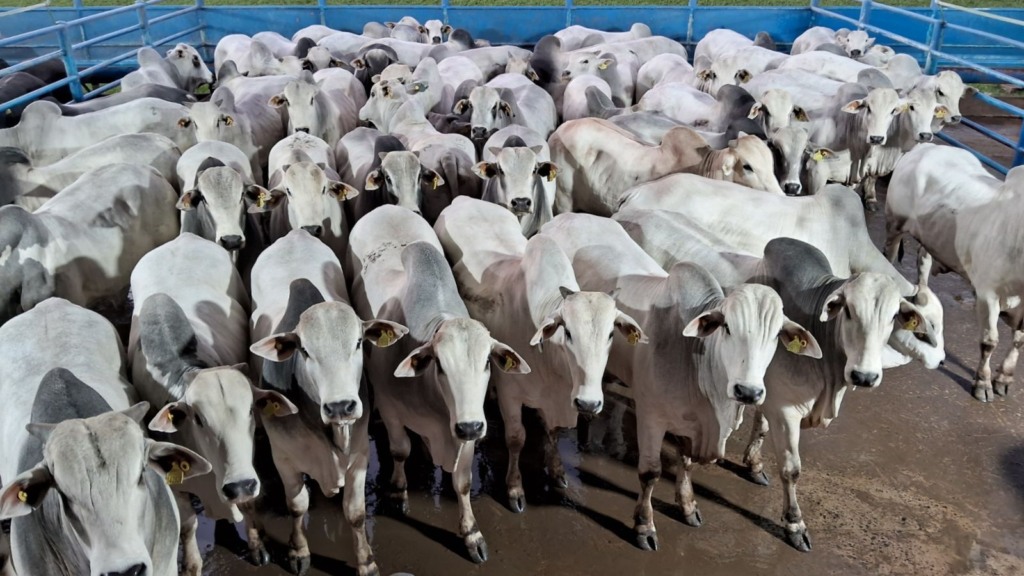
[949, 89]
[386, 97]
[434, 31]
[328, 345]
[748, 161]
[308, 189]
[217, 416]
[459, 356]
[401, 177]
[920, 109]
[877, 110]
[215, 122]
[592, 63]
[488, 112]
[522, 66]
[789, 148]
[305, 112]
[99, 471]
[582, 328]
[856, 43]
[866, 307]
[220, 198]
[516, 179]
[191, 69]
[776, 110]
[748, 327]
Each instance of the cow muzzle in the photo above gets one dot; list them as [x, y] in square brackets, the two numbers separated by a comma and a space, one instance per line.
[954, 119]
[925, 137]
[746, 394]
[478, 133]
[876, 139]
[468, 431]
[792, 188]
[240, 492]
[316, 231]
[341, 412]
[520, 206]
[306, 130]
[232, 242]
[134, 570]
[865, 379]
[855, 53]
[588, 407]
[435, 40]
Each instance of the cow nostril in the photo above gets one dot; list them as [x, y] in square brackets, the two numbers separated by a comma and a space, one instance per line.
[521, 204]
[955, 119]
[924, 137]
[340, 409]
[314, 230]
[792, 189]
[855, 53]
[864, 378]
[469, 430]
[437, 40]
[136, 570]
[236, 490]
[747, 394]
[232, 242]
[306, 130]
[588, 406]
[876, 139]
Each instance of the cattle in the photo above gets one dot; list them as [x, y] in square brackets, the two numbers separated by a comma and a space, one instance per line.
[181, 68]
[851, 318]
[456, 71]
[321, 109]
[579, 95]
[663, 68]
[394, 175]
[188, 350]
[228, 154]
[46, 136]
[14, 86]
[167, 93]
[618, 71]
[949, 89]
[30, 185]
[83, 243]
[518, 180]
[254, 58]
[409, 122]
[402, 276]
[806, 89]
[855, 43]
[308, 345]
[509, 99]
[72, 442]
[723, 57]
[792, 150]
[576, 36]
[902, 71]
[215, 206]
[311, 57]
[598, 161]
[775, 110]
[710, 349]
[960, 215]
[526, 294]
[832, 221]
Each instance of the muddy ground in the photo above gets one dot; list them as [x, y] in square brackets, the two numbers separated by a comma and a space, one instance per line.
[915, 477]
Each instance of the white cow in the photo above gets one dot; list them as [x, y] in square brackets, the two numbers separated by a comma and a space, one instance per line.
[520, 178]
[963, 217]
[83, 243]
[707, 355]
[509, 99]
[403, 277]
[576, 36]
[856, 43]
[182, 68]
[663, 68]
[322, 109]
[62, 377]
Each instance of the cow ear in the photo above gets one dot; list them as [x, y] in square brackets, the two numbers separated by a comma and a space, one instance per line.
[798, 340]
[605, 63]
[271, 404]
[970, 90]
[262, 200]
[137, 411]
[547, 329]
[821, 154]
[175, 463]
[170, 417]
[184, 122]
[941, 111]
[461, 107]
[373, 180]
[432, 178]
[535, 149]
[705, 75]
[507, 360]
[910, 318]
[26, 492]
[743, 76]
[383, 333]
[359, 64]
[278, 101]
[799, 114]
[416, 363]
[417, 87]
[446, 29]
[756, 109]
[547, 170]
[341, 191]
[728, 160]
[389, 24]
[869, 44]
[853, 107]
[833, 306]
[507, 109]
[486, 170]
[423, 29]
[189, 200]
[630, 329]
[277, 347]
[705, 325]
[41, 432]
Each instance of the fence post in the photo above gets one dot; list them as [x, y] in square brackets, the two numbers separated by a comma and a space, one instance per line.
[70, 66]
[140, 8]
[935, 33]
[568, 13]
[322, 6]
[78, 5]
[201, 22]
[814, 15]
[444, 10]
[865, 12]
[691, 4]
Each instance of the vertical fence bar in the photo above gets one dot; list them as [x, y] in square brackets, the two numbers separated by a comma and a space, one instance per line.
[70, 66]
[814, 15]
[322, 6]
[444, 10]
[78, 5]
[935, 34]
[865, 12]
[691, 4]
[568, 13]
[201, 22]
[140, 8]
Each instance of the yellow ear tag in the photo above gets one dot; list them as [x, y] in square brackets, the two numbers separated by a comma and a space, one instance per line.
[910, 324]
[262, 199]
[170, 417]
[634, 337]
[818, 156]
[386, 338]
[437, 181]
[941, 113]
[270, 408]
[602, 66]
[510, 363]
[551, 174]
[177, 473]
[796, 345]
[23, 496]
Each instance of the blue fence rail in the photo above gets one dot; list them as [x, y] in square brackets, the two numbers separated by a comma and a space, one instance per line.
[100, 44]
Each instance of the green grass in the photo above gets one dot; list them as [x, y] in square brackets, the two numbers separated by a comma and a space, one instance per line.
[915, 3]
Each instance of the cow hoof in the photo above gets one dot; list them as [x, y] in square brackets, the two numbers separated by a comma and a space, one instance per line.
[298, 565]
[799, 540]
[400, 503]
[560, 482]
[1000, 387]
[369, 570]
[694, 519]
[983, 392]
[259, 556]
[758, 477]
[478, 551]
[647, 541]
[517, 502]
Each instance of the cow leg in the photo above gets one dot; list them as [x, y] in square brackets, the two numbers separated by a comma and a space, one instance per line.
[552, 459]
[684, 492]
[786, 439]
[1005, 375]
[752, 457]
[192, 561]
[893, 236]
[649, 469]
[354, 502]
[258, 554]
[398, 438]
[462, 480]
[987, 309]
[870, 199]
[298, 504]
[515, 438]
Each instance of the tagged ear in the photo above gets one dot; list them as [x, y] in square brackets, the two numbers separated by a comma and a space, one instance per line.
[630, 329]
[360, 64]
[486, 170]
[705, 75]
[833, 306]
[174, 462]
[271, 404]
[547, 329]
[820, 154]
[941, 111]
[373, 180]
[507, 109]
[705, 325]
[605, 63]
[416, 363]
[423, 29]
[25, 492]
[743, 76]
[970, 90]
[184, 122]
[798, 340]
[547, 170]
[262, 200]
[446, 29]
[507, 360]
[170, 417]
[417, 87]
[799, 114]
[432, 178]
[278, 101]
[756, 109]
[383, 333]
[853, 107]
[341, 191]
[910, 318]
[189, 200]
[535, 149]
[277, 347]
[137, 411]
[461, 107]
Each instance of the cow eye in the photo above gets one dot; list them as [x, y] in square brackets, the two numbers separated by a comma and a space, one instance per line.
[921, 337]
[568, 337]
[911, 107]
[747, 167]
[199, 420]
[585, 62]
[611, 335]
[440, 369]
[846, 310]
[288, 191]
[938, 92]
[727, 331]
[359, 343]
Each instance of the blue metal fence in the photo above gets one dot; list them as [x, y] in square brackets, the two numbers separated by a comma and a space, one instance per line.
[100, 44]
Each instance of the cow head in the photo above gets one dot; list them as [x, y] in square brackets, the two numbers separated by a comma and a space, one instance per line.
[748, 161]
[220, 196]
[488, 111]
[776, 110]
[593, 63]
[856, 43]
[99, 472]
[434, 31]
[386, 97]
[328, 344]
[217, 121]
[307, 189]
[877, 110]
[306, 113]
[926, 342]
[949, 89]
[789, 148]
[516, 65]
[192, 71]
[520, 178]
[401, 177]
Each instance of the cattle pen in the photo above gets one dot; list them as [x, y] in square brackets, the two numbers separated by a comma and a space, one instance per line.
[916, 478]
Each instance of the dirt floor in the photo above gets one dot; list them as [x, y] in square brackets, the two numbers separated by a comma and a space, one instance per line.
[915, 477]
